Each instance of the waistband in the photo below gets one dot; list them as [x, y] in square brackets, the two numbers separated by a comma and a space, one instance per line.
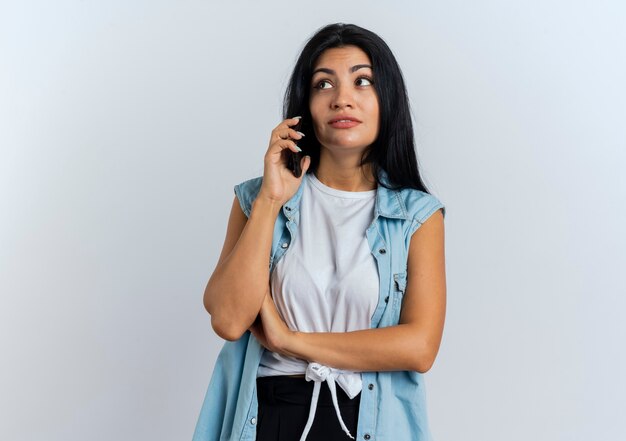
[297, 390]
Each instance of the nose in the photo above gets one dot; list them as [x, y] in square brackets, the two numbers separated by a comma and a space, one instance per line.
[343, 98]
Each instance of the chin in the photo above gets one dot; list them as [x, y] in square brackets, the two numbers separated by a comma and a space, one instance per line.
[341, 142]
[352, 145]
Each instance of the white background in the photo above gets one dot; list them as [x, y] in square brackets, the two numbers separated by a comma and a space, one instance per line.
[124, 126]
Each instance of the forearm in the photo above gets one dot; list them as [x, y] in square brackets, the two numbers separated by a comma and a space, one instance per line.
[236, 288]
[380, 349]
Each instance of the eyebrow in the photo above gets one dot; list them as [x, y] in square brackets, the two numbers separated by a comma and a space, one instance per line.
[332, 72]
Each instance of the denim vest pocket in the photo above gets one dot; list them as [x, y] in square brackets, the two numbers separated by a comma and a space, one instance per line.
[399, 287]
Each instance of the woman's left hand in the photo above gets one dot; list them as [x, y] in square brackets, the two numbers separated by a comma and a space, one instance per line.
[270, 329]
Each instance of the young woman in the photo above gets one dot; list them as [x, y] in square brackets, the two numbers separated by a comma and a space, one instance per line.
[334, 276]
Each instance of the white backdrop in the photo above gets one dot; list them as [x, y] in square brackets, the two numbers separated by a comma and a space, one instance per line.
[124, 126]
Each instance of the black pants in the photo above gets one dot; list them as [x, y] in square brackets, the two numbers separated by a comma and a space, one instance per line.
[284, 404]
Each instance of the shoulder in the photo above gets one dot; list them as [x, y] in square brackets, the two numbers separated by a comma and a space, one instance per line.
[246, 193]
[419, 206]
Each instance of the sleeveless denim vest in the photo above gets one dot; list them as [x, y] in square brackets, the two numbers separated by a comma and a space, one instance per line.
[393, 403]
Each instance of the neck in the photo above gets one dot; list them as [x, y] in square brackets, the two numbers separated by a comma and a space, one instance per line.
[345, 176]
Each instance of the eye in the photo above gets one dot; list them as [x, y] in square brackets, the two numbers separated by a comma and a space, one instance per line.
[364, 81]
[323, 84]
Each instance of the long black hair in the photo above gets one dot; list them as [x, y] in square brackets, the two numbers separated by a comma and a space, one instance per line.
[394, 148]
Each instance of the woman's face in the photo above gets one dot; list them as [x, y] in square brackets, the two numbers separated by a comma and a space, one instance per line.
[343, 103]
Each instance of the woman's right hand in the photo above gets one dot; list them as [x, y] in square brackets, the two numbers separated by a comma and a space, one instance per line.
[279, 183]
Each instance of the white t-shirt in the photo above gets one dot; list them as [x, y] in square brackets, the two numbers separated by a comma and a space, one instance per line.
[327, 281]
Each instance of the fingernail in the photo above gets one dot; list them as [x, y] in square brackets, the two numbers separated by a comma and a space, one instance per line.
[298, 149]
[300, 133]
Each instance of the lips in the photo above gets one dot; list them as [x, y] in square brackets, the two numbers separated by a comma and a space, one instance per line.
[343, 122]
[343, 118]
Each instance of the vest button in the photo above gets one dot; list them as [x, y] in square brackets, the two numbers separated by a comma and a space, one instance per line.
[367, 436]
[285, 245]
[253, 421]
[382, 251]
[371, 386]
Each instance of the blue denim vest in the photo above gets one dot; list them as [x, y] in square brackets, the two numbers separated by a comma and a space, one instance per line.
[393, 403]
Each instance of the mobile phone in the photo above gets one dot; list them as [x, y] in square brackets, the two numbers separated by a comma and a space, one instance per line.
[294, 158]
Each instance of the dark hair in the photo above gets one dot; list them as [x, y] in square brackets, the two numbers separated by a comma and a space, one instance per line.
[394, 148]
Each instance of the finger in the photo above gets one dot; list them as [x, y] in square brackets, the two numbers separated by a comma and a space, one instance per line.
[293, 121]
[288, 133]
[281, 144]
[305, 163]
[286, 123]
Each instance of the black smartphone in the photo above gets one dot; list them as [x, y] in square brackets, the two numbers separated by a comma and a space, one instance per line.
[294, 158]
